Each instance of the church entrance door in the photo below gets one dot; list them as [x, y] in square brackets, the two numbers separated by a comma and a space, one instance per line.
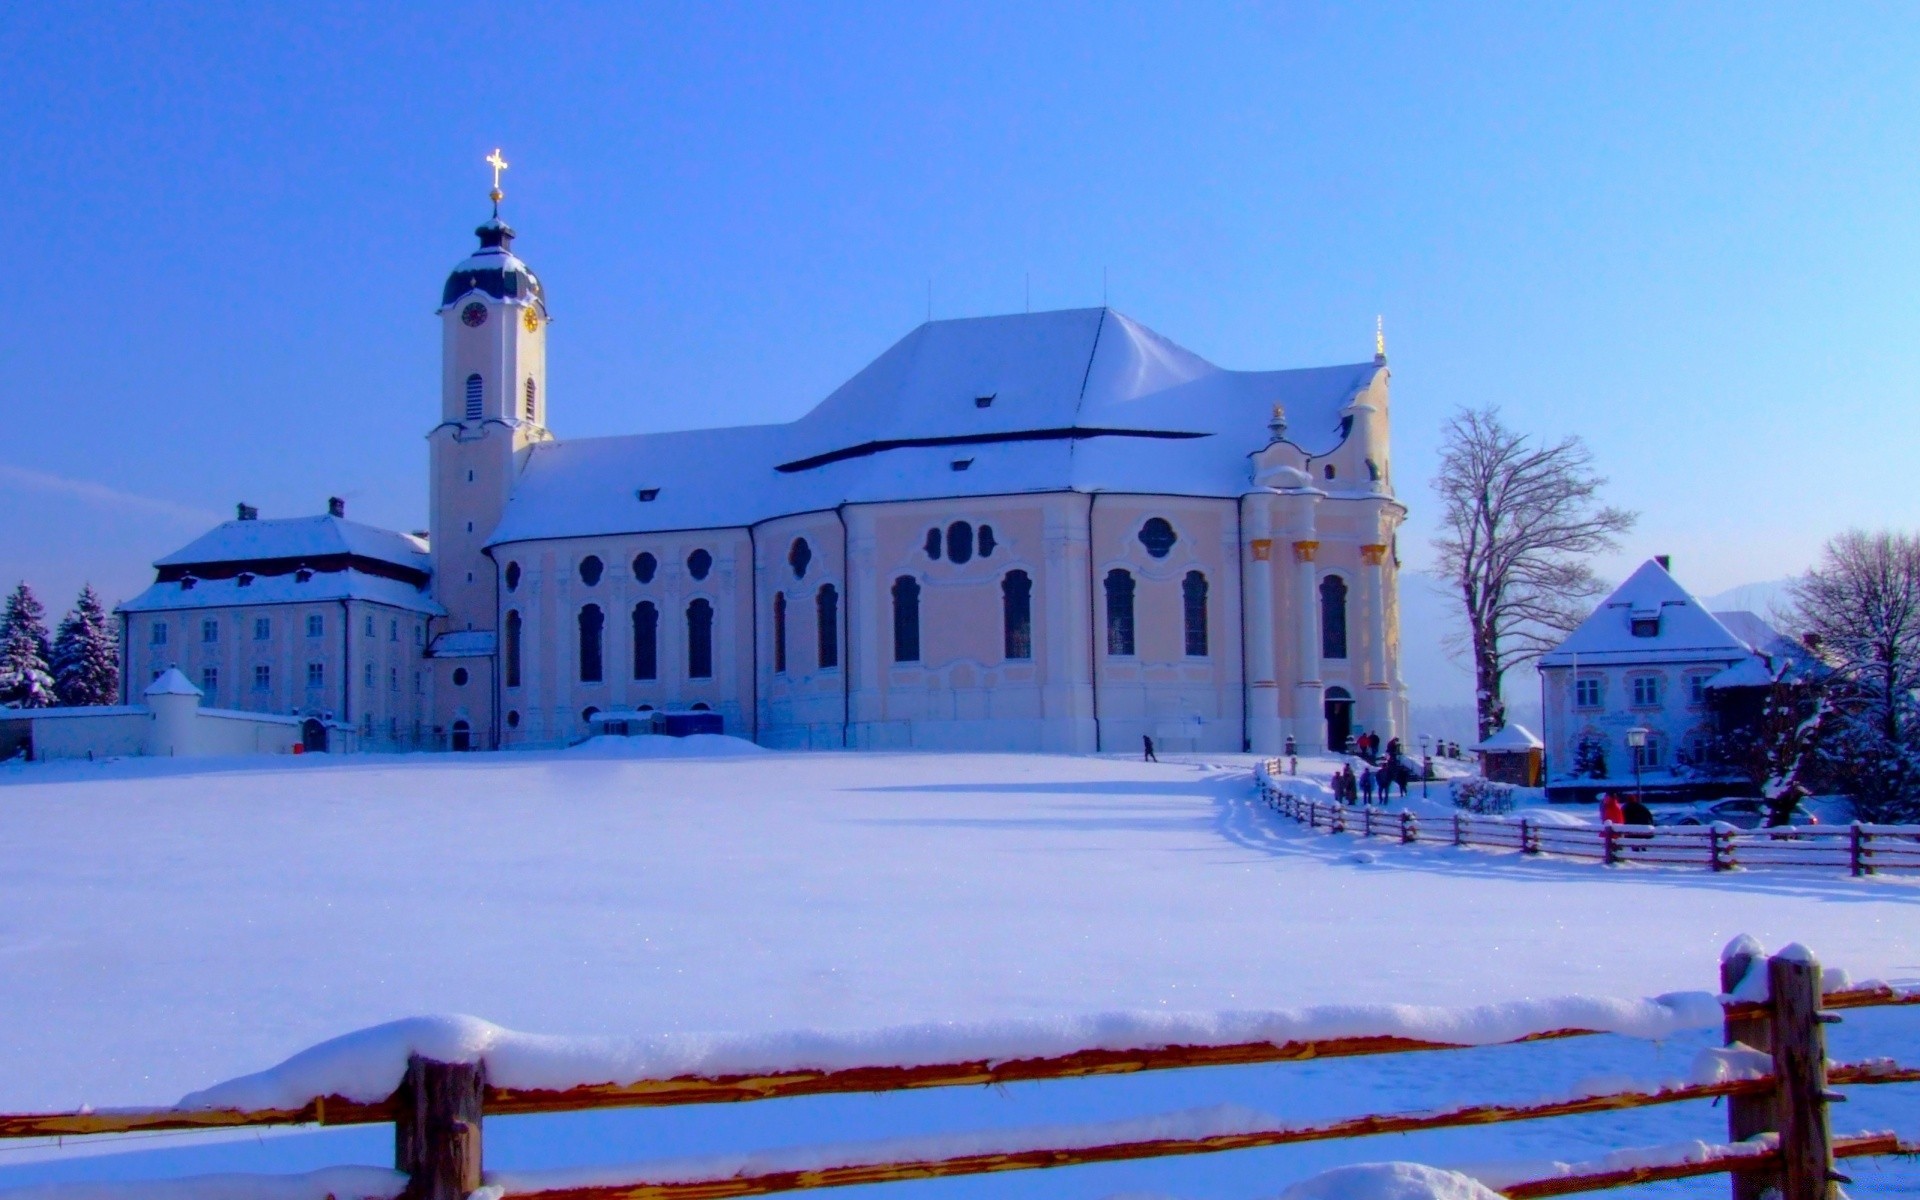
[462, 736]
[313, 736]
[1339, 719]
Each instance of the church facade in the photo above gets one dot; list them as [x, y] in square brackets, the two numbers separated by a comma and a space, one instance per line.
[1052, 531]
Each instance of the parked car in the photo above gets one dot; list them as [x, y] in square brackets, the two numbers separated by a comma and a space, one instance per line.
[1742, 813]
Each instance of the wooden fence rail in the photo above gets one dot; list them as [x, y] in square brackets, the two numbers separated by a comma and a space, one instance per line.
[1858, 848]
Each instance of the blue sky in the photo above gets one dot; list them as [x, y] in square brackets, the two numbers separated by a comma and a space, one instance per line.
[1686, 234]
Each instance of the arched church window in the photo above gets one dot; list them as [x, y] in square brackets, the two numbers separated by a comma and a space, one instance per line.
[1119, 585]
[700, 639]
[826, 604]
[513, 576]
[592, 631]
[513, 647]
[1016, 613]
[644, 565]
[799, 556]
[1330, 472]
[933, 543]
[1193, 596]
[1158, 537]
[986, 541]
[591, 569]
[646, 641]
[476, 395]
[699, 563]
[959, 542]
[1333, 617]
[780, 631]
[532, 393]
[906, 619]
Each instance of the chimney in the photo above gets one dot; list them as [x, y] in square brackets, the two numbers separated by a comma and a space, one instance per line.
[247, 512]
[336, 507]
[1665, 561]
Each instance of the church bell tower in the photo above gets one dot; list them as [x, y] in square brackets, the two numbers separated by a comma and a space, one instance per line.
[493, 407]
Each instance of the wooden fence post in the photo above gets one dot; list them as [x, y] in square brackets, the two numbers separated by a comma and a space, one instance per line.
[1857, 851]
[1609, 850]
[1366, 821]
[1800, 1069]
[436, 1129]
[1409, 829]
[1459, 830]
[1722, 846]
[1748, 1116]
[1526, 837]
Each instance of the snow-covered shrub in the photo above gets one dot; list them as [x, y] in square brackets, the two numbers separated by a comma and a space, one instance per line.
[1482, 796]
[1590, 759]
[1390, 1181]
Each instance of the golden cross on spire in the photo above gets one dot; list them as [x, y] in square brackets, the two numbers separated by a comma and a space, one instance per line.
[498, 164]
[1379, 337]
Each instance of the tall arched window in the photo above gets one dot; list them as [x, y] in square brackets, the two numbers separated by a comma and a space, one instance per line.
[532, 393]
[780, 631]
[700, 640]
[1016, 613]
[1193, 596]
[1333, 617]
[826, 604]
[906, 619]
[646, 641]
[513, 648]
[476, 394]
[593, 624]
[1119, 612]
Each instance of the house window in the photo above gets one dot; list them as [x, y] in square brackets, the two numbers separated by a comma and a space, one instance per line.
[262, 677]
[475, 395]
[644, 565]
[1333, 617]
[826, 604]
[1119, 586]
[699, 563]
[159, 636]
[779, 631]
[1586, 692]
[798, 556]
[1646, 691]
[1158, 537]
[987, 542]
[592, 623]
[1193, 596]
[906, 619]
[210, 629]
[1647, 757]
[316, 674]
[513, 576]
[210, 680]
[591, 569]
[262, 629]
[646, 640]
[700, 639]
[959, 542]
[1016, 613]
[366, 676]
[532, 393]
[1643, 626]
[367, 625]
[514, 623]
[316, 625]
[1697, 689]
[933, 544]
[393, 630]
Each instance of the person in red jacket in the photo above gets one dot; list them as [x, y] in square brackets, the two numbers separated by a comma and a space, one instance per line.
[1611, 811]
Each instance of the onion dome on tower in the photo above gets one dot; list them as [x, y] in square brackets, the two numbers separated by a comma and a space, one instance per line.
[493, 268]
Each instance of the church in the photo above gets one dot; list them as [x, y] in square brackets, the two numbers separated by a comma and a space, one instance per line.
[1050, 531]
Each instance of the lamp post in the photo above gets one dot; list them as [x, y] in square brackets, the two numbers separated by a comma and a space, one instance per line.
[1637, 742]
[1426, 765]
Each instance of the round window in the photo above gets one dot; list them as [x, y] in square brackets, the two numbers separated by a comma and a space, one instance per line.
[587, 714]
[699, 563]
[513, 576]
[513, 719]
[1158, 536]
[644, 565]
[459, 677]
[590, 569]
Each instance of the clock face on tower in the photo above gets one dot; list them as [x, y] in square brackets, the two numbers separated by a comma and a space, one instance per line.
[530, 319]
[474, 314]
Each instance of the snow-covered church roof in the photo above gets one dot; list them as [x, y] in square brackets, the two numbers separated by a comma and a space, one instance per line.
[1083, 400]
[1648, 619]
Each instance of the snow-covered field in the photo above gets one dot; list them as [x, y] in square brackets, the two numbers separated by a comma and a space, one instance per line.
[164, 926]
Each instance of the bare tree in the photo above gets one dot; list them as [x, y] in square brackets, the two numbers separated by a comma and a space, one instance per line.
[1861, 606]
[1520, 518]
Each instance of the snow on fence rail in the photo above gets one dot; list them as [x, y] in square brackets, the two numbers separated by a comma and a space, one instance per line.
[453, 1072]
[1858, 848]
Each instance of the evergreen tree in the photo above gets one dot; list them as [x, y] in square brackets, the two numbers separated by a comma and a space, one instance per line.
[86, 655]
[24, 680]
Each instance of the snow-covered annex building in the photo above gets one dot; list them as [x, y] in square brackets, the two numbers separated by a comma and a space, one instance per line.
[1652, 657]
[1047, 531]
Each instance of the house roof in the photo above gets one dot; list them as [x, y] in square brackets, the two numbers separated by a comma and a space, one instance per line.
[1083, 400]
[1686, 631]
[172, 683]
[297, 538]
[1513, 739]
[283, 589]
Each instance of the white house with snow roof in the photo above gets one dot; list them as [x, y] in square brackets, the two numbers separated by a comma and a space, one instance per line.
[1649, 657]
[1048, 531]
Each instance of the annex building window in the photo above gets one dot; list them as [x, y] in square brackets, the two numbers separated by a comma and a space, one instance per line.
[1586, 692]
[366, 676]
[906, 619]
[316, 625]
[700, 638]
[1333, 617]
[1016, 614]
[262, 629]
[262, 677]
[159, 635]
[210, 680]
[1119, 585]
[780, 631]
[515, 625]
[476, 394]
[592, 623]
[646, 641]
[209, 629]
[316, 674]
[826, 605]
[1193, 602]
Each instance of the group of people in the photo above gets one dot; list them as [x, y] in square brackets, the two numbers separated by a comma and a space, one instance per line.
[1630, 812]
[1351, 789]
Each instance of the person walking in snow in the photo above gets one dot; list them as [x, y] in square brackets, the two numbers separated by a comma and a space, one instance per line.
[1610, 811]
[1292, 751]
[1633, 812]
[1147, 754]
[1366, 787]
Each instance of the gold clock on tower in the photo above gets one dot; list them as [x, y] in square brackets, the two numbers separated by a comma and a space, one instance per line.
[531, 319]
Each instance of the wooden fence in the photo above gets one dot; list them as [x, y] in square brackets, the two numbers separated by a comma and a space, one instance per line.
[1858, 848]
[1778, 1132]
